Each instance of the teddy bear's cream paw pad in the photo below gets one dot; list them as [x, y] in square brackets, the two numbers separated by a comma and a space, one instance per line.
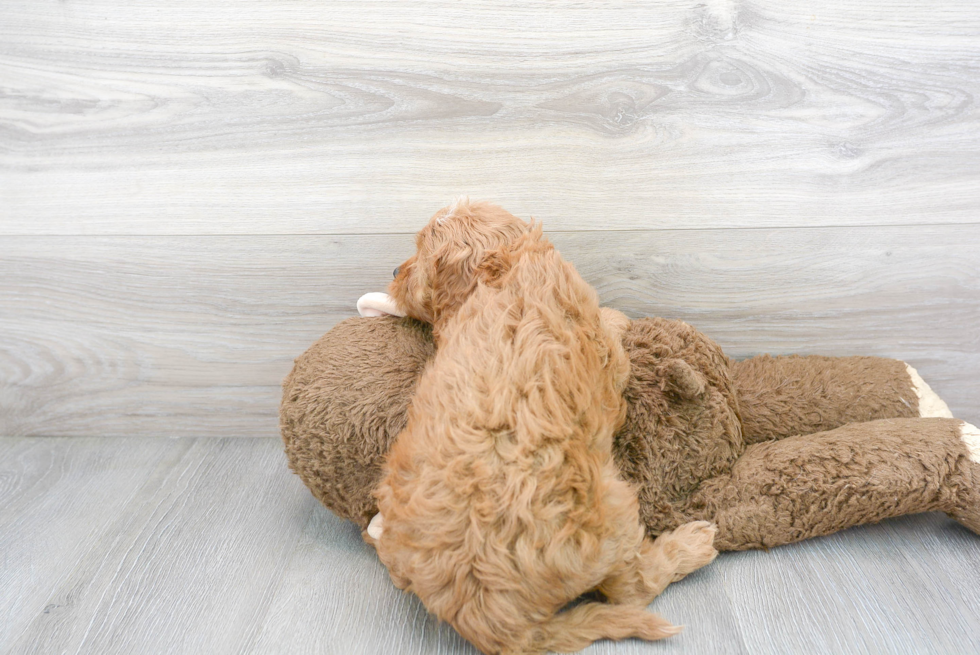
[930, 405]
[377, 303]
[376, 527]
[970, 434]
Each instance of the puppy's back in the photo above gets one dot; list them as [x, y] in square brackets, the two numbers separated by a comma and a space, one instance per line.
[498, 517]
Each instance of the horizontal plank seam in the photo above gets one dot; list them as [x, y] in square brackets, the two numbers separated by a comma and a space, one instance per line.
[376, 234]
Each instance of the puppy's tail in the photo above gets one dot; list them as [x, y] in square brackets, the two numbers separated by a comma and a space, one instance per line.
[574, 629]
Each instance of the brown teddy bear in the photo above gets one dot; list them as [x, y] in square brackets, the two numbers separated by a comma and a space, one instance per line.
[772, 449]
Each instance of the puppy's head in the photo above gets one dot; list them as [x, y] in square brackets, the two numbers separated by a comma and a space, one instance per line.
[454, 252]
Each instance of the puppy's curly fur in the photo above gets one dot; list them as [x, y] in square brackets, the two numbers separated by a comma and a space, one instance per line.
[500, 500]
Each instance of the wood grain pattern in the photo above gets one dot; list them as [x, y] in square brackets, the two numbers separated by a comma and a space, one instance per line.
[59, 500]
[203, 117]
[131, 545]
[896, 571]
[191, 336]
[187, 563]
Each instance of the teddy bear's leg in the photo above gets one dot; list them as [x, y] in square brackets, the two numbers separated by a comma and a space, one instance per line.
[783, 396]
[784, 491]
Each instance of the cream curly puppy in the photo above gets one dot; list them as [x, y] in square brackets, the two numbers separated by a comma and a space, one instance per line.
[500, 501]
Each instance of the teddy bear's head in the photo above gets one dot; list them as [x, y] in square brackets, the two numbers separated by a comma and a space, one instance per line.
[345, 401]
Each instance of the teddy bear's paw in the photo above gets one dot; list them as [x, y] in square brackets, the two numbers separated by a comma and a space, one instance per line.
[376, 527]
[970, 434]
[377, 303]
[694, 543]
[968, 513]
[930, 404]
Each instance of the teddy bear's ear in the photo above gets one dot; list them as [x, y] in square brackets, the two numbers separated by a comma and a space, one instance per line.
[683, 380]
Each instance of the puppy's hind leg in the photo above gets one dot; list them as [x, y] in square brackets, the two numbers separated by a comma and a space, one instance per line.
[637, 582]
[574, 629]
[660, 561]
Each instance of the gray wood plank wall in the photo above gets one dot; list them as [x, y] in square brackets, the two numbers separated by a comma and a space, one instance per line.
[191, 192]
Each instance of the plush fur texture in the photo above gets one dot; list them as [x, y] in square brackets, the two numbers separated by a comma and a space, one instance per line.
[780, 397]
[341, 411]
[500, 499]
[342, 406]
[809, 485]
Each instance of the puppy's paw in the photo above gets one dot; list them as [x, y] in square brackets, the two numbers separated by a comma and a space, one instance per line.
[694, 543]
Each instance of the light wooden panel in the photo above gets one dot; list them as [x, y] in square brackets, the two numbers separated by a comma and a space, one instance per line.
[204, 117]
[120, 546]
[191, 336]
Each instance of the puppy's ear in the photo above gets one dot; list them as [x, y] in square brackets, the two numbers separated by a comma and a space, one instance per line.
[494, 266]
[451, 280]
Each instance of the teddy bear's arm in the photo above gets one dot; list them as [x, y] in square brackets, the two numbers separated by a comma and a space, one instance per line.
[804, 486]
[378, 303]
[782, 396]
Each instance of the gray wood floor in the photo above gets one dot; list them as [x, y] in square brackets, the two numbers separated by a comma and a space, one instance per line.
[114, 545]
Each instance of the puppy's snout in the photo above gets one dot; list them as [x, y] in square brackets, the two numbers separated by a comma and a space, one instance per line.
[394, 273]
